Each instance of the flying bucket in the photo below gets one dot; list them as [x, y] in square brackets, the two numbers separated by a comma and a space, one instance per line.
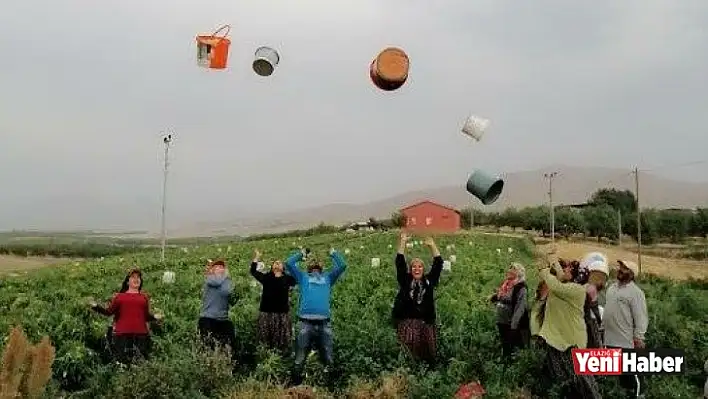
[266, 59]
[212, 50]
[475, 127]
[389, 70]
[485, 187]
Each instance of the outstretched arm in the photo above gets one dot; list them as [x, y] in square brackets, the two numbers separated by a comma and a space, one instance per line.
[110, 310]
[340, 265]
[401, 266]
[254, 271]
[436, 269]
[291, 267]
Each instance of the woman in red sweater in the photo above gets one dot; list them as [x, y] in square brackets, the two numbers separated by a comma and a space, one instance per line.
[131, 311]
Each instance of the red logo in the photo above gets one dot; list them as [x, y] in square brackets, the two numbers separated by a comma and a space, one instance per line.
[597, 361]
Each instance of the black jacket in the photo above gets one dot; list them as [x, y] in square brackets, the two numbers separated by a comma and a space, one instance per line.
[406, 307]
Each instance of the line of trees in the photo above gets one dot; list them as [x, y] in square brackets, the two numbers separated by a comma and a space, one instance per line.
[607, 211]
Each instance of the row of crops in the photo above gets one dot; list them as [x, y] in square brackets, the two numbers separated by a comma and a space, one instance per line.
[53, 301]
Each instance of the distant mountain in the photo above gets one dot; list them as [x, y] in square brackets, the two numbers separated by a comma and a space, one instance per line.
[572, 185]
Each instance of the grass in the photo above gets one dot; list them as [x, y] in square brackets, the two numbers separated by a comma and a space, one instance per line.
[53, 302]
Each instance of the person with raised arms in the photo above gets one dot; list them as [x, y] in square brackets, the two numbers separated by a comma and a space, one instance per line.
[214, 325]
[414, 306]
[315, 330]
[274, 325]
[129, 337]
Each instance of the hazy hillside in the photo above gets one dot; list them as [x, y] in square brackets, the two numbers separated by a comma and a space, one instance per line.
[572, 185]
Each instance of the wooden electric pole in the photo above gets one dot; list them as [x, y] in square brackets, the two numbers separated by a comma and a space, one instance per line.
[639, 220]
[550, 177]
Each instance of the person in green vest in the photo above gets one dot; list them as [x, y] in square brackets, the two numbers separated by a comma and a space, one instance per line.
[563, 329]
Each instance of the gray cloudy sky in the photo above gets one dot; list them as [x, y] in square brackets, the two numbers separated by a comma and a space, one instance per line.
[87, 86]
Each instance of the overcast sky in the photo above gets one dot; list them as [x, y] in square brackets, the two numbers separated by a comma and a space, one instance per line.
[86, 87]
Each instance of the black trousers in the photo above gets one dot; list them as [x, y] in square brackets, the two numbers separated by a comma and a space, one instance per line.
[127, 348]
[629, 382]
[512, 340]
[222, 332]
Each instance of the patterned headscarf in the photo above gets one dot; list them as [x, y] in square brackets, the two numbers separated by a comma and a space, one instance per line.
[580, 274]
[508, 284]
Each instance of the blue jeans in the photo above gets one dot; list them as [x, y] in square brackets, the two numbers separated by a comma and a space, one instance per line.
[317, 335]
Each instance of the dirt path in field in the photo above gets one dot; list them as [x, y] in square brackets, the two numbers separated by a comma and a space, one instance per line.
[13, 264]
[678, 269]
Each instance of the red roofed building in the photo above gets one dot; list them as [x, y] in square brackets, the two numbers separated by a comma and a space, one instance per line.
[430, 216]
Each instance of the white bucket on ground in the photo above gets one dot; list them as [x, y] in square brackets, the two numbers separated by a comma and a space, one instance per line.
[168, 277]
[266, 60]
[453, 258]
[447, 266]
[375, 262]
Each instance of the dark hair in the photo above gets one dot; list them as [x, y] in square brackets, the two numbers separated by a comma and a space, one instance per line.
[124, 286]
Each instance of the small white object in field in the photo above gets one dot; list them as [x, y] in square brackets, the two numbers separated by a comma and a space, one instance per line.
[448, 247]
[218, 250]
[185, 250]
[390, 246]
[208, 260]
[254, 284]
[228, 249]
[447, 266]
[350, 231]
[121, 260]
[375, 262]
[361, 247]
[498, 250]
[299, 238]
[276, 241]
[101, 259]
[470, 243]
[346, 251]
[453, 258]
[294, 243]
[261, 267]
[168, 277]
[409, 245]
[76, 263]
[510, 249]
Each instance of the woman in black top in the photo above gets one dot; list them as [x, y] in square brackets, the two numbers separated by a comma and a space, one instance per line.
[414, 309]
[274, 324]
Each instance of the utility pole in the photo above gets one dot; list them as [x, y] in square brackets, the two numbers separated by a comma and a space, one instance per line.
[550, 177]
[166, 140]
[639, 220]
[619, 228]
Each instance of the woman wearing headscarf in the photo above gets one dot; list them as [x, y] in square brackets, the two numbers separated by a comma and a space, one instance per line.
[214, 324]
[414, 307]
[563, 329]
[274, 324]
[538, 308]
[512, 310]
[130, 336]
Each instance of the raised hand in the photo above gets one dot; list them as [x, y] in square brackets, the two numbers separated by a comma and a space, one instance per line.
[429, 241]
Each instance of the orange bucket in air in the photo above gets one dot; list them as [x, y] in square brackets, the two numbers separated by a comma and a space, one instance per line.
[389, 70]
[212, 50]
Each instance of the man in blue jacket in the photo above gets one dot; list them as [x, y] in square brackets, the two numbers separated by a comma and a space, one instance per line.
[314, 309]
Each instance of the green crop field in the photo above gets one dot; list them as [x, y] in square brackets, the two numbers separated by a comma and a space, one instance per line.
[53, 301]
